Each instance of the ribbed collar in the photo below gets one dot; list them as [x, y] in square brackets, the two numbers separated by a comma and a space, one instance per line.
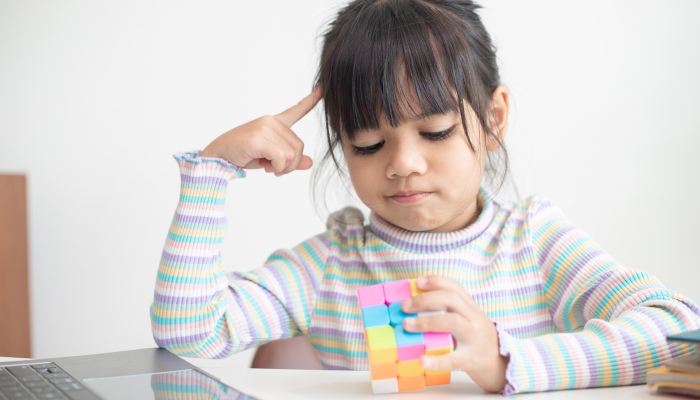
[426, 242]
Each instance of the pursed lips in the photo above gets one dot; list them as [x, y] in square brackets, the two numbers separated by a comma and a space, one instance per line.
[411, 196]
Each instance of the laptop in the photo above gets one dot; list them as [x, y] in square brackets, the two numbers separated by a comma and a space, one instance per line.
[136, 374]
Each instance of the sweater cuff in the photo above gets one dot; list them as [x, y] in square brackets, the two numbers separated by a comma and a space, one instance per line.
[191, 164]
[506, 347]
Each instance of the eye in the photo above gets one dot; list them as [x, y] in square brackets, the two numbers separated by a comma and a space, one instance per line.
[435, 136]
[363, 151]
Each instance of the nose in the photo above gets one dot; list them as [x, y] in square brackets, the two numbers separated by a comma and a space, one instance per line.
[404, 160]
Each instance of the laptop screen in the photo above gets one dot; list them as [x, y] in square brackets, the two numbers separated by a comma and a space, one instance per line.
[179, 385]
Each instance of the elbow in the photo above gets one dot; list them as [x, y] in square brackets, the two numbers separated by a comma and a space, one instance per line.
[182, 339]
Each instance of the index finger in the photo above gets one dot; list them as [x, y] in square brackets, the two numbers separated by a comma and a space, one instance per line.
[296, 112]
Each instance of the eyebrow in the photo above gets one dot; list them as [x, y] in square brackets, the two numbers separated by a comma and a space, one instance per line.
[424, 116]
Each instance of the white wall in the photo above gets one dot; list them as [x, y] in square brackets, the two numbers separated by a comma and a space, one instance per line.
[96, 96]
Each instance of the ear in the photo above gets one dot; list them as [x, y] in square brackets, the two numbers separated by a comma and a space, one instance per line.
[500, 103]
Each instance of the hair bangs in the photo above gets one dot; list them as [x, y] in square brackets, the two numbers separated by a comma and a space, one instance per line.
[393, 66]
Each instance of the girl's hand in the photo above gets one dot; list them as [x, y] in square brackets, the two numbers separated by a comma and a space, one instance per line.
[476, 351]
[267, 142]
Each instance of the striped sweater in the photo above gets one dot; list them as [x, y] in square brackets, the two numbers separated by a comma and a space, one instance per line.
[567, 314]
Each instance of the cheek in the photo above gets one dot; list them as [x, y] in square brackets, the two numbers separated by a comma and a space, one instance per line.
[363, 175]
[457, 166]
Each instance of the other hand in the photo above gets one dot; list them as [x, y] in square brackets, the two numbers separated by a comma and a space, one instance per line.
[476, 351]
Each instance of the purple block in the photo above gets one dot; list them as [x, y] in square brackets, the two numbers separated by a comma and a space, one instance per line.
[412, 352]
[436, 340]
[370, 295]
[397, 291]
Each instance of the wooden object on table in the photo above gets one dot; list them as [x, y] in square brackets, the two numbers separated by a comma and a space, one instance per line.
[14, 268]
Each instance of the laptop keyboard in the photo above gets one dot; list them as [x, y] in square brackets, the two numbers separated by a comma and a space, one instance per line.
[40, 381]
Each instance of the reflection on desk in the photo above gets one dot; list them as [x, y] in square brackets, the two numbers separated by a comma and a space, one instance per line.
[180, 385]
[190, 385]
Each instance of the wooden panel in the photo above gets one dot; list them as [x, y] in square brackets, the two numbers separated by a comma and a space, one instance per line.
[14, 279]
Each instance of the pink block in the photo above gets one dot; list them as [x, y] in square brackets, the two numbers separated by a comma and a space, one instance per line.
[370, 295]
[435, 340]
[412, 352]
[397, 291]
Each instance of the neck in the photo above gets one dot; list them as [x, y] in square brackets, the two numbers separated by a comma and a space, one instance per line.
[464, 219]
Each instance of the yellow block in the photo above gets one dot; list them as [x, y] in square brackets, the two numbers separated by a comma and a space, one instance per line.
[410, 368]
[414, 289]
[383, 356]
[380, 337]
[429, 372]
[439, 351]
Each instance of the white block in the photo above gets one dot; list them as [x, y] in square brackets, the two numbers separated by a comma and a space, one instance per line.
[382, 386]
[426, 313]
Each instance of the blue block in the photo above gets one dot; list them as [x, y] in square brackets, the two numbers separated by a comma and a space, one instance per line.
[396, 315]
[375, 315]
[404, 338]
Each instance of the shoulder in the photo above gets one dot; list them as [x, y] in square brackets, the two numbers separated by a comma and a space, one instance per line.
[345, 217]
[533, 208]
[346, 223]
[526, 217]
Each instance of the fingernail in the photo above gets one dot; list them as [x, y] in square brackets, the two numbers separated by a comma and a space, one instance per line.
[421, 281]
[410, 322]
[406, 304]
[426, 362]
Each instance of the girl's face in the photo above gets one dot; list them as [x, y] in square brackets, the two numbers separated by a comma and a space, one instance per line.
[422, 175]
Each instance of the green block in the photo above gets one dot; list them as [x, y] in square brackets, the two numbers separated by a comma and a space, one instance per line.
[380, 337]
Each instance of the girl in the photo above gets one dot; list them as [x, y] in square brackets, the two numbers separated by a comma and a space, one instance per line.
[414, 112]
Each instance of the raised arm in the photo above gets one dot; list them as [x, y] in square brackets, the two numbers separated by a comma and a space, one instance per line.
[615, 318]
[200, 310]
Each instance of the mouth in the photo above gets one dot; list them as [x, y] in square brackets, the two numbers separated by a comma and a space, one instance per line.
[408, 197]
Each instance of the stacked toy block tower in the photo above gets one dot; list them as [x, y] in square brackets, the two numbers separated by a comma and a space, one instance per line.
[393, 352]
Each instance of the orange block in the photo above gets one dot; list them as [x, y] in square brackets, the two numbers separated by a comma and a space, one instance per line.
[410, 368]
[384, 371]
[411, 383]
[440, 379]
[383, 356]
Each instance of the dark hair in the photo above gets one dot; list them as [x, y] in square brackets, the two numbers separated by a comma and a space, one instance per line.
[377, 54]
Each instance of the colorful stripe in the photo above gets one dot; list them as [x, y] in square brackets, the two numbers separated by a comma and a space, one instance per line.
[567, 314]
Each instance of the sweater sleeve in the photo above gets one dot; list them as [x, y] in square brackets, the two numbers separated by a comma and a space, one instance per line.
[613, 320]
[198, 309]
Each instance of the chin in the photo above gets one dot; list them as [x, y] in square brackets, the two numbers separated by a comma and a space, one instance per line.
[416, 223]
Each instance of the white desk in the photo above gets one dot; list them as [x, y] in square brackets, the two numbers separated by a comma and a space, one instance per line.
[301, 384]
